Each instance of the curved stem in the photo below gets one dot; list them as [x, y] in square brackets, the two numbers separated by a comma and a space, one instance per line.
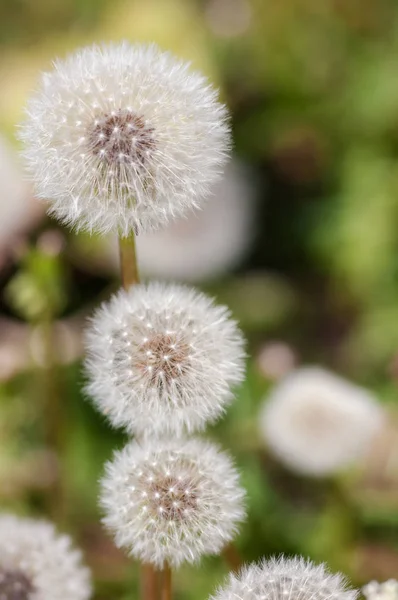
[128, 261]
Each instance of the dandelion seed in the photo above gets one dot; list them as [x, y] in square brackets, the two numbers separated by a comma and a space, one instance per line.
[172, 501]
[124, 137]
[163, 358]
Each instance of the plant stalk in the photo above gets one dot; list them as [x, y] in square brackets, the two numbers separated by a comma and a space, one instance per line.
[149, 582]
[166, 592]
[128, 261]
[130, 276]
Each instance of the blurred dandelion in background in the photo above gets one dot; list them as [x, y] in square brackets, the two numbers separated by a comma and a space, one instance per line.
[317, 423]
[388, 590]
[36, 562]
[215, 240]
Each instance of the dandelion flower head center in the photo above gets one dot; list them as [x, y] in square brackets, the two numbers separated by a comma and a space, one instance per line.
[121, 138]
[172, 498]
[170, 493]
[15, 585]
[164, 356]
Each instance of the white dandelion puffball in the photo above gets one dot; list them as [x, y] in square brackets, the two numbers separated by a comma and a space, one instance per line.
[317, 423]
[285, 579]
[388, 590]
[162, 359]
[172, 501]
[124, 137]
[37, 563]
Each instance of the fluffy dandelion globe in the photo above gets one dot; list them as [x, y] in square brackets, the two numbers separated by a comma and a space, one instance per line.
[317, 423]
[388, 590]
[172, 501]
[36, 563]
[162, 359]
[285, 579]
[124, 137]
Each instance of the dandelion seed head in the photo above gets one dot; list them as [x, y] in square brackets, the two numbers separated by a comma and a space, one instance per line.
[36, 563]
[163, 359]
[317, 423]
[121, 138]
[124, 137]
[15, 585]
[285, 579]
[172, 501]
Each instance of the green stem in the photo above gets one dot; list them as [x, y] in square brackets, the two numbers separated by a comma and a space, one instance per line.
[128, 261]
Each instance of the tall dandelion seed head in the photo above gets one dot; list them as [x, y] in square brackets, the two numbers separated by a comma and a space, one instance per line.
[285, 579]
[124, 137]
[317, 423]
[172, 501]
[162, 358]
[36, 563]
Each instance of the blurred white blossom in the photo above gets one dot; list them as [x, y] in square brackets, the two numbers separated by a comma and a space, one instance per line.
[171, 501]
[208, 243]
[163, 358]
[317, 423]
[388, 590]
[38, 563]
[276, 359]
[124, 137]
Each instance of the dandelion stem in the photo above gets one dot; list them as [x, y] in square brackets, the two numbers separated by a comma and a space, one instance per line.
[166, 592]
[130, 276]
[232, 557]
[149, 581]
[128, 261]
